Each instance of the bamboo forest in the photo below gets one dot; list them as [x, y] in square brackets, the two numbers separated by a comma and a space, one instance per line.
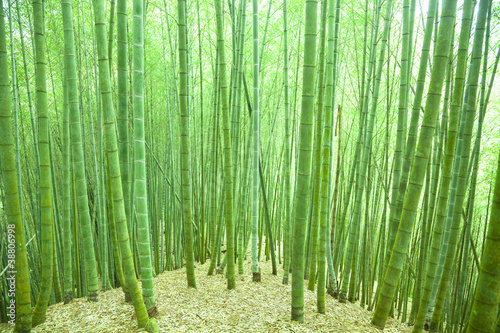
[249, 166]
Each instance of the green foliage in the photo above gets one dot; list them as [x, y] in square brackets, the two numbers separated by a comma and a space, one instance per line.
[199, 170]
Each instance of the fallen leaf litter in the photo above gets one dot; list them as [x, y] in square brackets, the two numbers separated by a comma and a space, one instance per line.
[251, 307]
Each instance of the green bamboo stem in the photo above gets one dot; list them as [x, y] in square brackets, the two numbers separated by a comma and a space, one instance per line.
[140, 177]
[16, 255]
[304, 160]
[77, 153]
[47, 219]
[184, 113]
[228, 186]
[395, 266]
[114, 171]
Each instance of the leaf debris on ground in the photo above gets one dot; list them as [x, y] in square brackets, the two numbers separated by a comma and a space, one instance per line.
[251, 307]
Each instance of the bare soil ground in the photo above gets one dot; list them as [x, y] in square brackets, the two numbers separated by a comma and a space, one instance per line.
[251, 307]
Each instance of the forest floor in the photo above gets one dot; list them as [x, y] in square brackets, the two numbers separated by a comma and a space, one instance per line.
[251, 307]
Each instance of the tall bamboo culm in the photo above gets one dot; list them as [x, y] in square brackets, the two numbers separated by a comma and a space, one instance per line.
[302, 192]
[47, 219]
[16, 255]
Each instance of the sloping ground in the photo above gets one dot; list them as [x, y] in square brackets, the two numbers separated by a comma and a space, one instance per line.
[252, 307]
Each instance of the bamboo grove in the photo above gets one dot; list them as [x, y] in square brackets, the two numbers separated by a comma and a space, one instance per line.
[353, 144]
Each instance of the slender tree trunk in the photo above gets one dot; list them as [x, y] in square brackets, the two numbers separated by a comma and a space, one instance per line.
[395, 266]
[326, 169]
[228, 186]
[16, 253]
[287, 226]
[140, 180]
[484, 315]
[186, 179]
[122, 117]
[123, 135]
[114, 172]
[304, 160]
[367, 144]
[66, 183]
[436, 243]
[460, 169]
[47, 219]
[78, 155]
[318, 131]
[255, 141]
